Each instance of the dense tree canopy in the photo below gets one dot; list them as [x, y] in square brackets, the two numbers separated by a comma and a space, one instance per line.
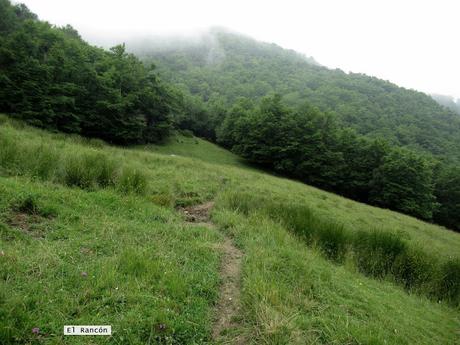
[309, 145]
[51, 78]
[228, 65]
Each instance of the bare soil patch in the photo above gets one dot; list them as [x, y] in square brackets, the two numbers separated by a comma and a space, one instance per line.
[27, 223]
[197, 213]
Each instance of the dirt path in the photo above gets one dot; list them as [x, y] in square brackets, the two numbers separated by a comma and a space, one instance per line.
[228, 306]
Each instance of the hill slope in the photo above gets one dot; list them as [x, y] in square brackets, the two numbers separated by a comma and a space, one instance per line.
[87, 243]
[224, 66]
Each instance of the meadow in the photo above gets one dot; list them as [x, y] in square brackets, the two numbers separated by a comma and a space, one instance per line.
[90, 234]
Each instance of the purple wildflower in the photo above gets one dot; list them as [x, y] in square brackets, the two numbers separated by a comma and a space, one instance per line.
[35, 330]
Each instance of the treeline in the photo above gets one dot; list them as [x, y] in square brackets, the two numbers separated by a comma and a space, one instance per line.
[221, 67]
[53, 79]
[309, 145]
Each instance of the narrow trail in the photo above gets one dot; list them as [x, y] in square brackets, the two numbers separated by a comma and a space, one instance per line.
[228, 306]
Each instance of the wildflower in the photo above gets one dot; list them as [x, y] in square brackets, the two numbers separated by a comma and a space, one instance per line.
[35, 330]
[84, 274]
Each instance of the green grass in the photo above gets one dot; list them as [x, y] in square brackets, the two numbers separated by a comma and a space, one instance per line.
[193, 147]
[70, 205]
[376, 253]
[102, 259]
[293, 295]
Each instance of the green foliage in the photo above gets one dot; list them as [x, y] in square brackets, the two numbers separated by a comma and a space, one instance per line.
[449, 284]
[51, 78]
[235, 72]
[233, 66]
[403, 182]
[309, 145]
[447, 192]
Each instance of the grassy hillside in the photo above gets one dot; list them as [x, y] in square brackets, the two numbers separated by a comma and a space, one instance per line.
[193, 147]
[91, 234]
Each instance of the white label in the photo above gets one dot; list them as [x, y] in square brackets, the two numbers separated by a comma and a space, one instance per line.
[87, 330]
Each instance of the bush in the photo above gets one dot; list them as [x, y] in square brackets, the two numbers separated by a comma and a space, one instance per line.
[104, 170]
[3, 119]
[186, 133]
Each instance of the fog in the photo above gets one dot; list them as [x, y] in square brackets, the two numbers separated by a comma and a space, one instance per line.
[414, 44]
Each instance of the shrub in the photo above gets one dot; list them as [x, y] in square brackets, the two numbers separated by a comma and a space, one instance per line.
[104, 170]
[96, 143]
[186, 133]
[3, 119]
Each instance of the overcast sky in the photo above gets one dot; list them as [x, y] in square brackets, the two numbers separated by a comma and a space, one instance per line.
[415, 44]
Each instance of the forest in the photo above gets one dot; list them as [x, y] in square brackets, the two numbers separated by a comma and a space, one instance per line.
[351, 134]
[51, 78]
[223, 66]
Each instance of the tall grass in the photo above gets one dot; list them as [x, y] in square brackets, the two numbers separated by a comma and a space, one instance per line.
[376, 253]
[85, 168]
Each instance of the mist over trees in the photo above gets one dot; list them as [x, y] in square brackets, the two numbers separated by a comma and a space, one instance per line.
[448, 102]
[225, 66]
[51, 78]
